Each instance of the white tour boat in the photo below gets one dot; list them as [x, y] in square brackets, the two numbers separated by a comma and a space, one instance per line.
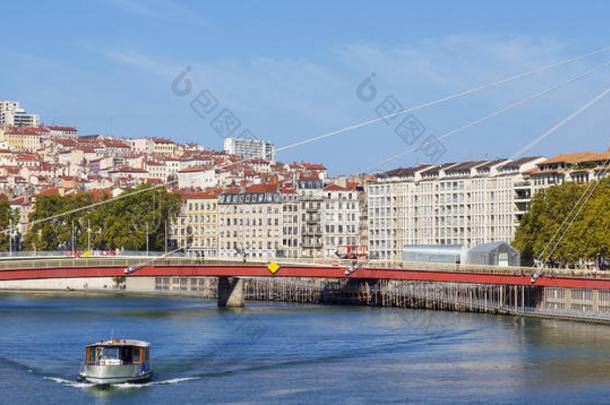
[117, 361]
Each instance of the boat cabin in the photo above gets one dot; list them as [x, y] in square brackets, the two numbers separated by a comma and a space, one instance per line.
[118, 352]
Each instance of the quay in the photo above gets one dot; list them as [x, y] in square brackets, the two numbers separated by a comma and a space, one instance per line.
[558, 293]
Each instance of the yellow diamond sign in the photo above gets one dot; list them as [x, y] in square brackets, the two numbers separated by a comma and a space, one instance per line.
[273, 267]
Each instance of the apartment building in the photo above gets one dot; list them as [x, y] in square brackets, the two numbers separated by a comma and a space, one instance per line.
[310, 191]
[573, 167]
[291, 223]
[162, 146]
[465, 203]
[201, 222]
[250, 148]
[197, 177]
[63, 132]
[12, 114]
[251, 221]
[22, 139]
[341, 217]
[156, 170]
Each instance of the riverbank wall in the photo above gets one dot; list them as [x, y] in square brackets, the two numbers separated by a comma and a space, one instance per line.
[551, 302]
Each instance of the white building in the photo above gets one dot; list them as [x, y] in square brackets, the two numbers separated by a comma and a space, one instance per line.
[62, 132]
[340, 218]
[156, 170]
[466, 203]
[12, 114]
[197, 177]
[250, 148]
[140, 145]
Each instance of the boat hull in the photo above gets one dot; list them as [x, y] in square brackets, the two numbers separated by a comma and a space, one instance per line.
[116, 374]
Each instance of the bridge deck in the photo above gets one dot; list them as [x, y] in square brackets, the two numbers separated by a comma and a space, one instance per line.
[115, 267]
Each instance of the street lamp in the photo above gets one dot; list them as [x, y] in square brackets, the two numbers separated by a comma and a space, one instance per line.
[147, 239]
[73, 237]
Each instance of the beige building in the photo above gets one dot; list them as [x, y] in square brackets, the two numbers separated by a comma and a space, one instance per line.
[574, 167]
[22, 139]
[201, 222]
[254, 222]
[163, 146]
[465, 203]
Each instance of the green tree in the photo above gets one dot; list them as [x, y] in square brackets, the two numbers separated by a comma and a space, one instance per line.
[588, 234]
[121, 223]
[8, 219]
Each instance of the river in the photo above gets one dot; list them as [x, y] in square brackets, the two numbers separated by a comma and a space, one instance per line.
[274, 352]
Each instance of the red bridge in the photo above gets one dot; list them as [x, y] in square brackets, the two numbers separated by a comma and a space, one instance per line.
[47, 268]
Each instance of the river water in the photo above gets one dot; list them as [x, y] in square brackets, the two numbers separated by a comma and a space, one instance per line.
[272, 353]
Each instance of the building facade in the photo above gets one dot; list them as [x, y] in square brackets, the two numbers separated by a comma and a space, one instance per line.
[340, 219]
[201, 222]
[22, 139]
[250, 148]
[453, 204]
[311, 196]
[12, 114]
[251, 222]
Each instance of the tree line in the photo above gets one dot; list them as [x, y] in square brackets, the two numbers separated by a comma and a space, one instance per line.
[124, 223]
[587, 238]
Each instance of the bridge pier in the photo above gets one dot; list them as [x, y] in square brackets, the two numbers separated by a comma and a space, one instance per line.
[230, 292]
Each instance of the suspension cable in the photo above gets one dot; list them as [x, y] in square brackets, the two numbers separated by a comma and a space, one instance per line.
[490, 116]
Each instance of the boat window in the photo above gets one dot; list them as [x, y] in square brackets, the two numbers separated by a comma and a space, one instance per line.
[126, 354]
[90, 355]
[105, 353]
[136, 355]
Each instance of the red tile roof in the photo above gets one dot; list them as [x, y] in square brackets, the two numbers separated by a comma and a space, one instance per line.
[262, 188]
[193, 169]
[334, 187]
[311, 166]
[65, 129]
[25, 130]
[569, 158]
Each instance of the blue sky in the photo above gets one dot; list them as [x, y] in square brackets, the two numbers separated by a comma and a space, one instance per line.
[289, 71]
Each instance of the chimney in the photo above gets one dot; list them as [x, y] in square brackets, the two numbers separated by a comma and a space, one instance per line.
[242, 186]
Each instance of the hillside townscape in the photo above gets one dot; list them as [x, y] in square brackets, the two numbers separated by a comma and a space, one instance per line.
[241, 201]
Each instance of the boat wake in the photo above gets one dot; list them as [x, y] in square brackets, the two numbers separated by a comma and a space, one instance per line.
[69, 383]
[161, 382]
[77, 384]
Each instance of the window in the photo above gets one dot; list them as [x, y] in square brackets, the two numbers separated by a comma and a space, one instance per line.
[90, 355]
[137, 358]
[105, 353]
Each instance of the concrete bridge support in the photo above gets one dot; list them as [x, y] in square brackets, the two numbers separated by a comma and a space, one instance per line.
[230, 292]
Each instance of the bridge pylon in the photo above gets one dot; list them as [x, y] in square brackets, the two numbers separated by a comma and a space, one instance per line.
[230, 292]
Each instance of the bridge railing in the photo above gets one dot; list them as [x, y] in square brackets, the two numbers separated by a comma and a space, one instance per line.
[127, 261]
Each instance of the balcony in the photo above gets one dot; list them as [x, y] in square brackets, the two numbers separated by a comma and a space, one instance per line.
[313, 220]
[311, 231]
[522, 185]
[312, 245]
[310, 198]
[311, 210]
